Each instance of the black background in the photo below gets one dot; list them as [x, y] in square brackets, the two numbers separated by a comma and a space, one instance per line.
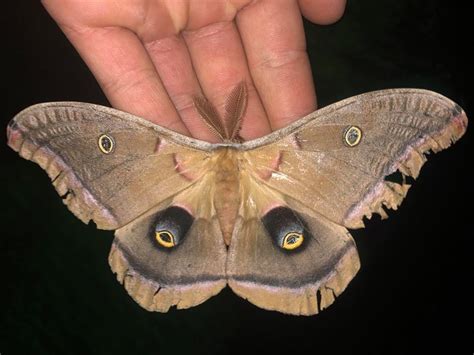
[412, 293]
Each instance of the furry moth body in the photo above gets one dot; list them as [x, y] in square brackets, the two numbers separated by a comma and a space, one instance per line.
[267, 217]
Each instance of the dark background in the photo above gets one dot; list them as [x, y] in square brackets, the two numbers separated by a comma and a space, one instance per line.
[412, 294]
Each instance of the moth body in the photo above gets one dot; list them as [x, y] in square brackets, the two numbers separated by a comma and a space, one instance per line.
[227, 190]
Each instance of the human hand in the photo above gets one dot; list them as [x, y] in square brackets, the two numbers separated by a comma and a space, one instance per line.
[152, 57]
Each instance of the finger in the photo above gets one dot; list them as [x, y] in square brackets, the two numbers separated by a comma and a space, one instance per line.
[123, 69]
[273, 37]
[220, 64]
[171, 59]
[322, 12]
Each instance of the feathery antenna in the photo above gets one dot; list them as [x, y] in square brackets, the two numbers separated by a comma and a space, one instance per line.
[236, 103]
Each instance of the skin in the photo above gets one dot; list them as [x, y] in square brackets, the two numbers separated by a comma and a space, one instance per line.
[152, 57]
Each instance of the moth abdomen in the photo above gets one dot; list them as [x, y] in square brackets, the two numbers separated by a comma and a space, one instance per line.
[286, 228]
[171, 227]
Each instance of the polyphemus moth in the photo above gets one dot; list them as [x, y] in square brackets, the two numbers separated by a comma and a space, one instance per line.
[267, 217]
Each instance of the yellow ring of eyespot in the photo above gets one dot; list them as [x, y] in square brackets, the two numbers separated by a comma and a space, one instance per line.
[165, 243]
[348, 131]
[112, 144]
[292, 245]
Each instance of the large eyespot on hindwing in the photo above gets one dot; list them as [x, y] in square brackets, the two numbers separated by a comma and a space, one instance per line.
[171, 227]
[286, 228]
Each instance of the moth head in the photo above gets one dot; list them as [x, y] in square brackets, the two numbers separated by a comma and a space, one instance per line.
[171, 227]
[286, 228]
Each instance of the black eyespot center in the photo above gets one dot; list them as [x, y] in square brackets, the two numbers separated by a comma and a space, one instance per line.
[165, 236]
[291, 239]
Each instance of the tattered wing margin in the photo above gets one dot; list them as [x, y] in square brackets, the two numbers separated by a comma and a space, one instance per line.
[154, 297]
[77, 198]
[390, 194]
[306, 300]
